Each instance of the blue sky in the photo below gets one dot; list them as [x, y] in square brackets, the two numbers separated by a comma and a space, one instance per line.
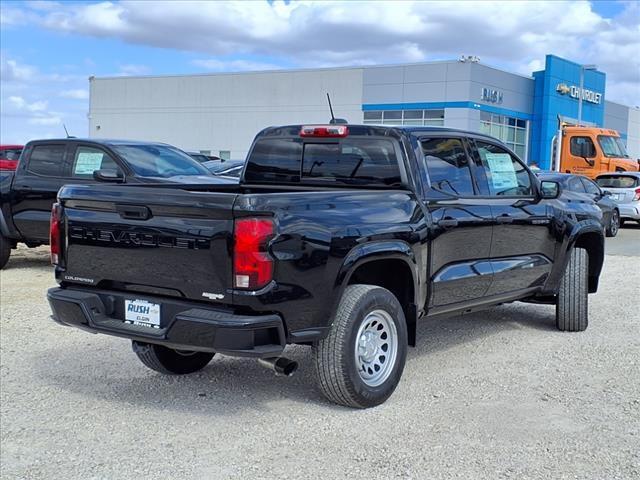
[49, 49]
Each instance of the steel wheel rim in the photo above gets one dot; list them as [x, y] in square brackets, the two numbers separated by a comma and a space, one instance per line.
[376, 348]
[614, 222]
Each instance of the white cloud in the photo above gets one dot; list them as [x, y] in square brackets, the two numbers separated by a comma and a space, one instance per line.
[21, 104]
[515, 34]
[217, 65]
[12, 71]
[76, 94]
[133, 69]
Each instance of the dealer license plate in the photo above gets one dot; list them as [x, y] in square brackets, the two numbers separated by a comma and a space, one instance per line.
[141, 312]
[616, 197]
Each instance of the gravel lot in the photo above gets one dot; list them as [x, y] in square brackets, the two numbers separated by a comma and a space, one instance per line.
[500, 394]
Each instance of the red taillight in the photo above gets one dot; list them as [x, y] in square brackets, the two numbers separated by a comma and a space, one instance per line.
[54, 233]
[636, 197]
[252, 265]
[8, 164]
[324, 131]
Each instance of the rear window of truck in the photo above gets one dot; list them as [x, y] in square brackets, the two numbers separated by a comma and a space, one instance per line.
[348, 160]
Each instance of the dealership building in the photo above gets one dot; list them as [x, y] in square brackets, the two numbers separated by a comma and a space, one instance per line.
[219, 114]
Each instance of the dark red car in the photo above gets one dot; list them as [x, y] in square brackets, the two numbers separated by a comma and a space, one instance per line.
[9, 156]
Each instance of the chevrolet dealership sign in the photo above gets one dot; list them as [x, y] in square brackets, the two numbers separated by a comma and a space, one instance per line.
[574, 92]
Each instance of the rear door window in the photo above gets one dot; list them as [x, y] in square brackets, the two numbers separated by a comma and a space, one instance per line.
[575, 185]
[505, 174]
[363, 160]
[47, 160]
[89, 159]
[591, 187]
[448, 166]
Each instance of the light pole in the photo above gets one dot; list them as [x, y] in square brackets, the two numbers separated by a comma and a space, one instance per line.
[581, 91]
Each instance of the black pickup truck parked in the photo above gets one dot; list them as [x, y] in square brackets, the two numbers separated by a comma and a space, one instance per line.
[46, 165]
[340, 237]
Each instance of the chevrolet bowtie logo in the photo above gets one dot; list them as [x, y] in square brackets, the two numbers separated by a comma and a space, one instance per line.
[563, 88]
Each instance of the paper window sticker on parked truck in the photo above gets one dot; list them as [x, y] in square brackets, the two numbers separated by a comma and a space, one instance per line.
[503, 174]
[88, 162]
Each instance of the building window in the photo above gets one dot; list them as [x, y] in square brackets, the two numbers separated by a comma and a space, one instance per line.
[225, 155]
[511, 131]
[405, 117]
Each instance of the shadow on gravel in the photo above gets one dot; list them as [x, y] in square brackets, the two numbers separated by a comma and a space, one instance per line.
[39, 260]
[230, 386]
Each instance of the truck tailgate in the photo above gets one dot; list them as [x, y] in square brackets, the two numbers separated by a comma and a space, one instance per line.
[163, 241]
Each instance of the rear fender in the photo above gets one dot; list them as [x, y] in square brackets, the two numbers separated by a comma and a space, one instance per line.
[376, 251]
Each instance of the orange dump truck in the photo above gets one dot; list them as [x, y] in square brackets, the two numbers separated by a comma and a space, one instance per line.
[590, 151]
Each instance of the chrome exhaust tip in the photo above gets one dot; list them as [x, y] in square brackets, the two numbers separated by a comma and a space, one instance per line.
[280, 365]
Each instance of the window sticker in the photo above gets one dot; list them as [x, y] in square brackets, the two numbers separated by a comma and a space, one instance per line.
[88, 162]
[503, 175]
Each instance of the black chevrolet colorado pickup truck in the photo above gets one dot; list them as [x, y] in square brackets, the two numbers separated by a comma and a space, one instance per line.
[340, 237]
[28, 193]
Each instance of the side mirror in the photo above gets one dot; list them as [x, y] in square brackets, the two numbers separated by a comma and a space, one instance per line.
[108, 176]
[606, 193]
[549, 189]
[585, 153]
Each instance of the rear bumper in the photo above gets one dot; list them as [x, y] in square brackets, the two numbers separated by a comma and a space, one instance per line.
[629, 210]
[183, 325]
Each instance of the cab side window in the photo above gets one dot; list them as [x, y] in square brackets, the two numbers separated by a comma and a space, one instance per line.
[88, 159]
[582, 146]
[47, 160]
[448, 166]
[505, 174]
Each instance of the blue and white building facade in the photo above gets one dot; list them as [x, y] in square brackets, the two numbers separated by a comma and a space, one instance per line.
[220, 113]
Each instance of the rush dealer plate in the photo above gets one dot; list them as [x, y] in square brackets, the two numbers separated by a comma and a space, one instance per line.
[141, 312]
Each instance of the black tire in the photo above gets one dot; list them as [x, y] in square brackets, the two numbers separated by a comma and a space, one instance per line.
[335, 356]
[5, 251]
[168, 361]
[572, 313]
[614, 224]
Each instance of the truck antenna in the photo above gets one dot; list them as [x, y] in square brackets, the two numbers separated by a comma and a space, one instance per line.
[334, 120]
[66, 131]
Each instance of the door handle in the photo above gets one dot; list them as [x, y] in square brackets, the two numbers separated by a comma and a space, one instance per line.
[133, 212]
[447, 223]
[504, 219]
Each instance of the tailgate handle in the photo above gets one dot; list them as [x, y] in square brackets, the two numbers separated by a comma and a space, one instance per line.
[134, 212]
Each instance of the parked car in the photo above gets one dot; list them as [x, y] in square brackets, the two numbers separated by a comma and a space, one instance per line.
[228, 168]
[625, 191]
[200, 157]
[584, 192]
[46, 165]
[340, 237]
[9, 156]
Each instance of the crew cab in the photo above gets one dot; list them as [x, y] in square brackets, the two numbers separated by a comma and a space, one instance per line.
[29, 189]
[339, 237]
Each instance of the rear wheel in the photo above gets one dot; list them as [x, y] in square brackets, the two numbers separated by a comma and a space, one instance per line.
[614, 224]
[573, 297]
[5, 251]
[171, 362]
[360, 362]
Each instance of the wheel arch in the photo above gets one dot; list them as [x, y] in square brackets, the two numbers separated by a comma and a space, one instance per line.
[592, 240]
[387, 264]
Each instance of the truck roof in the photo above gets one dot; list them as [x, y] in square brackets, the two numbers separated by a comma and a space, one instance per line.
[99, 141]
[377, 130]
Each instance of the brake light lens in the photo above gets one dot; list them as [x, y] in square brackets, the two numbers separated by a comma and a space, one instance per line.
[326, 131]
[6, 164]
[636, 197]
[54, 233]
[252, 265]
